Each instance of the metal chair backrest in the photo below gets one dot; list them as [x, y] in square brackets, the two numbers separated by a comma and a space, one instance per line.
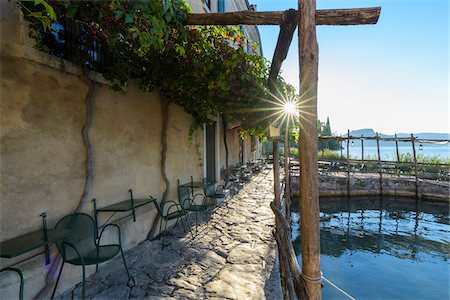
[209, 187]
[158, 207]
[184, 196]
[83, 235]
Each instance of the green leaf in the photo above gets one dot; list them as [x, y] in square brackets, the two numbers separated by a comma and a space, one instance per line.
[72, 11]
[118, 14]
[129, 18]
[48, 8]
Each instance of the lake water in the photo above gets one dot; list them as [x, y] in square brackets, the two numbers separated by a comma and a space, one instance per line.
[383, 249]
[388, 150]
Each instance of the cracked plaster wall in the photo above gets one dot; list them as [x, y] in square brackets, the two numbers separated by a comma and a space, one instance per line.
[43, 156]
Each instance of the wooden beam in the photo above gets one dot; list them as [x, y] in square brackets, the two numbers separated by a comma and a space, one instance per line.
[350, 16]
[309, 185]
[284, 41]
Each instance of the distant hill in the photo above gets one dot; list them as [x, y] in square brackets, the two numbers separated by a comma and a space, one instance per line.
[363, 132]
[427, 135]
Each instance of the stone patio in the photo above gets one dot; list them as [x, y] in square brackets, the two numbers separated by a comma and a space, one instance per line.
[232, 257]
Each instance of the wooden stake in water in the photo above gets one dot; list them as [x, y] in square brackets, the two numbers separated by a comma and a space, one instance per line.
[396, 149]
[348, 163]
[379, 164]
[415, 166]
[362, 150]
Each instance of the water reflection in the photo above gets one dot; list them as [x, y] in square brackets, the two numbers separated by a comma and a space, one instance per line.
[374, 239]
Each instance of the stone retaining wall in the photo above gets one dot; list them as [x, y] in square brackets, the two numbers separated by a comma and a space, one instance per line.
[335, 184]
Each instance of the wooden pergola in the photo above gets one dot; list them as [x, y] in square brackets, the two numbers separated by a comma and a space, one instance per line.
[306, 18]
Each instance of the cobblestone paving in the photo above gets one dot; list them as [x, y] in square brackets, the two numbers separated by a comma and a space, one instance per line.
[232, 257]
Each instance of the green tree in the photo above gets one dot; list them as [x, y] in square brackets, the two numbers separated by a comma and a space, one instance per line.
[324, 129]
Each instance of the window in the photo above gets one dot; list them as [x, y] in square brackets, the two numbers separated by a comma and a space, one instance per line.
[72, 42]
[208, 3]
[221, 6]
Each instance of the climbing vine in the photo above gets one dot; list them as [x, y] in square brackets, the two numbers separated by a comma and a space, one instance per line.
[205, 69]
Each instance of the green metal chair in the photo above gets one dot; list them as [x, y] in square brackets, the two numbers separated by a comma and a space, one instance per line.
[211, 191]
[83, 247]
[189, 204]
[229, 176]
[173, 212]
[18, 272]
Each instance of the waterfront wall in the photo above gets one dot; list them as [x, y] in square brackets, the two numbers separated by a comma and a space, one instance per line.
[336, 184]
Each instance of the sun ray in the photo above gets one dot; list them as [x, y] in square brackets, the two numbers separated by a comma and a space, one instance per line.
[260, 109]
[265, 118]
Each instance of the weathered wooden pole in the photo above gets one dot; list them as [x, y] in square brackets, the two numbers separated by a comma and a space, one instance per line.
[362, 149]
[348, 163]
[287, 187]
[309, 187]
[397, 153]
[276, 173]
[379, 164]
[341, 147]
[415, 166]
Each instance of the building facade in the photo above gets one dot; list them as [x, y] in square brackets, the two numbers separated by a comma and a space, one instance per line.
[45, 104]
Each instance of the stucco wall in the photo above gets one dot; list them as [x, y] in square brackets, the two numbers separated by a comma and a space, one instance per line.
[234, 147]
[43, 156]
[43, 111]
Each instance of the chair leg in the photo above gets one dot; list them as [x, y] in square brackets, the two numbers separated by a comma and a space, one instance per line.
[188, 225]
[160, 224]
[164, 236]
[196, 224]
[57, 280]
[125, 262]
[84, 282]
[96, 264]
[182, 223]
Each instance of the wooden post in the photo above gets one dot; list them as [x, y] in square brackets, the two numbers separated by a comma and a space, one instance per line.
[287, 187]
[276, 174]
[283, 235]
[379, 164]
[418, 194]
[396, 149]
[341, 147]
[309, 186]
[348, 163]
[362, 150]
[284, 272]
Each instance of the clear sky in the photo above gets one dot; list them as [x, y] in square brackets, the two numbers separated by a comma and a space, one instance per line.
[392, 77]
